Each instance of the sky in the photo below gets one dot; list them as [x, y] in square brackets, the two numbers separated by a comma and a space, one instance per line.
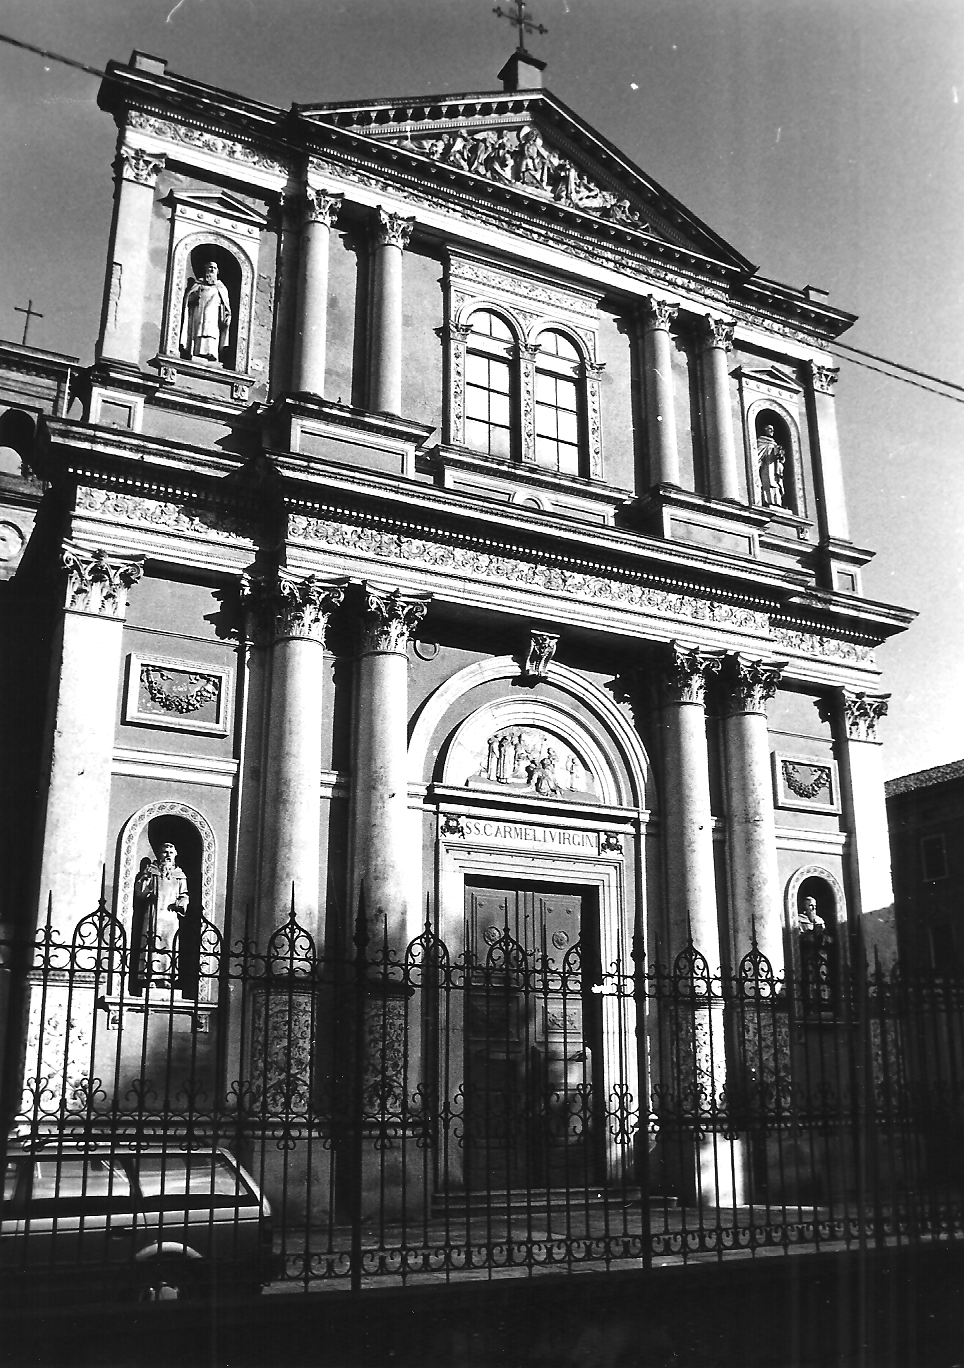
[822, 138]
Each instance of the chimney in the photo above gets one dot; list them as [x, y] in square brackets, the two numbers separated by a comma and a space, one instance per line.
[522, 72]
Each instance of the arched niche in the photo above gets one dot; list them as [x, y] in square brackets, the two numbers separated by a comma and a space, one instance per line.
[760, 414]
[17, 431]
[236, 268]
[825, 888]
[191, 834]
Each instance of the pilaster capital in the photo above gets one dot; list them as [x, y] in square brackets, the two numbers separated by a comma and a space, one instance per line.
[542, 647]
[824, 377]
[685, 673]
[862, 712]
[458, 332]
[320, 206]
[283, 606]
[657, 313]
[137, 166]
[392, 230]
[97, 583]
[389, 618]
[751, 683]
[717, 333]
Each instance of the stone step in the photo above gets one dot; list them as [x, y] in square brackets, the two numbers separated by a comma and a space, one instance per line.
[518, 1201]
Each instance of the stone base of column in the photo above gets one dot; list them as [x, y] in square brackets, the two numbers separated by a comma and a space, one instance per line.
[708, 1171]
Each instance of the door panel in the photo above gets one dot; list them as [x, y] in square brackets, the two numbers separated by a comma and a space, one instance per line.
[528, 1060]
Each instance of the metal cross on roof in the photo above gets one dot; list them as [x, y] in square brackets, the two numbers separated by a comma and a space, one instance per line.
[31, 312]
[521, 21]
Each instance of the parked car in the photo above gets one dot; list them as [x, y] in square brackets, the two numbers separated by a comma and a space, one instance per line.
[149, 1222]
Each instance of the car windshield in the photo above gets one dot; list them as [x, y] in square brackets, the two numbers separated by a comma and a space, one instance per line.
[197, 1175]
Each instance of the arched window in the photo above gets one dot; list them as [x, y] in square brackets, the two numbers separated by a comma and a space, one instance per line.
[558, 416]
[489, 388]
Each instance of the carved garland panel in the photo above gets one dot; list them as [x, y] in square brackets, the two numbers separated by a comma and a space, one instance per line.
[177, 695]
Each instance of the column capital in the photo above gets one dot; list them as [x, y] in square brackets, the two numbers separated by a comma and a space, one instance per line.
[717, 332]
[320, 206]
[393, 230]
[824, 377]
[97, 583]
[862, 712]
[285, 607]
[137, 166]
[389, 618]
[751, 683]
[685, 673]
[657, 313]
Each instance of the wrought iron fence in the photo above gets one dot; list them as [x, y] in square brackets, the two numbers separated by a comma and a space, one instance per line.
[418, 1115]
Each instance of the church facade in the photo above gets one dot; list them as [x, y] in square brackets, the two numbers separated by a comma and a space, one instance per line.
[450, 527]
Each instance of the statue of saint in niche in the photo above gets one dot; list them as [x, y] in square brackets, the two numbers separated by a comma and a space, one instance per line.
[814, 954]
[773, 460]
[206, 322]
[161, 896]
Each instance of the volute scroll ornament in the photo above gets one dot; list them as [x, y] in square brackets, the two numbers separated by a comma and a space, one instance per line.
[718, 332]
[137, 166]
[393, 230]
[390, 618]
[824, 377]
[752, 683]
[658, 313]
[862, 712]
[282, 607]
[97, 582]
[321, 206]
[686, 672]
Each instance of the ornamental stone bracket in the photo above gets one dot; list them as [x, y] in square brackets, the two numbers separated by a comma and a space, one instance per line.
[752, 683]
[97, 583]
[686, 672]
[542, 648]
[389, 618]
[286, 607]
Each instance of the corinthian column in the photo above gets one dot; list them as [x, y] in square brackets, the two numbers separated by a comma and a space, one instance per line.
[721, 448]
[320, 212]
[135, 173]
[76, 806]
[687, 821]
[380, 828]
[750, 830]
[298, 609]
[657, 317]
[392, 236]
[855, 716]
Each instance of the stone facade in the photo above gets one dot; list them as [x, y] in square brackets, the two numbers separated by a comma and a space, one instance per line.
[503, 540]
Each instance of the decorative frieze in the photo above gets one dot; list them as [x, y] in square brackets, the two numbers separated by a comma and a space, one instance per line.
[203, 141]
[393, 230]
[97, 583]
[686, 671]
[398, 548]
[137, 166]
[752, 683]
[542, 647]
[209, 523]
[390, 617]
[816, 643]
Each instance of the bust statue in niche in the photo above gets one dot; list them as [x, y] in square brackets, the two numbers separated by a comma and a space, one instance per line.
[206, 316]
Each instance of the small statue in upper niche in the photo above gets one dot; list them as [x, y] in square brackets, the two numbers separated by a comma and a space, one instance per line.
[206, 322]
[773, 460]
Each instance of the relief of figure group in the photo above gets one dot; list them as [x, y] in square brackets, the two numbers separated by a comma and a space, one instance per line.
[524, 159]
[529, 760]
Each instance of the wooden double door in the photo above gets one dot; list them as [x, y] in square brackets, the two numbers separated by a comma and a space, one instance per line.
[532, 1036]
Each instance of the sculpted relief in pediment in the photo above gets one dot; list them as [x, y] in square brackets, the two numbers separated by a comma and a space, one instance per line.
[530, 760]
[522, 158]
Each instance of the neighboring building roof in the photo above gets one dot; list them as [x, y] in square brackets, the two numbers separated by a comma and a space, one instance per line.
[940, 774]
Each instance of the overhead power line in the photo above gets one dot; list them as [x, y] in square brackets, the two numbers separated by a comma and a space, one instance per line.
[839, 347]
[51, 56]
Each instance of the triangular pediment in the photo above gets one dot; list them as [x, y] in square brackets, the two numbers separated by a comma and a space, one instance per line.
[219, 204]
[771, 377]
[532, 146]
